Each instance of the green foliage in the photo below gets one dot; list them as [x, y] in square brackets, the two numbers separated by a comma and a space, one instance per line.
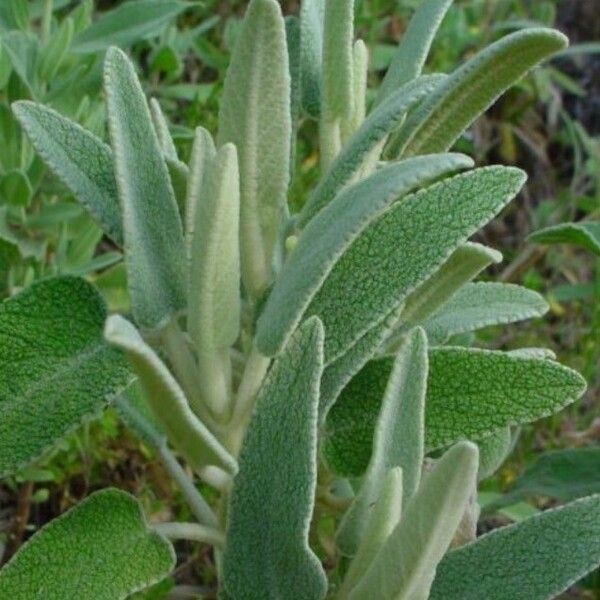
[584, 234]
[107, 536]
[296, 362]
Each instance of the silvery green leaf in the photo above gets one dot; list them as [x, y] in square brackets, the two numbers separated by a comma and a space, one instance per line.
[584, 234]
[493, 451]
[405, 565]
[55, 51]
[382, 520]
[102, 549]
[337, 78]
[398, 439]
[360, 72]
[478, 305]
[203, 151]
[402, 248]
[255, 116]
[540, 353]
[292, 36]
[56, 371]
[327, 238]
[471, 394]
[214, 297]
[312, 15]
[178, 174]
[154, 245]
[465, 263]
[378, 125]
[466, 94]
[537, 559]
[161, 126]
[274, 489]
[79, 159]
[414, 47]
[167, 401]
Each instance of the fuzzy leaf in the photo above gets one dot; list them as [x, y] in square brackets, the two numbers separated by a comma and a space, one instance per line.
[402, 248]
[466, 94]
[312, 15]
[154, 245]
[79, 159]
[536, 559]
[464, 264]
[255, 116]
[372, 132]
[161, 126]
[102, 549]
[274, 489]
[405, 566]
[414, 47]
[470, 394]
[493, 451]
[325, 240]
[338, 63]
[398, 439]
[478, 305]
[167, 401]
[55, 368]
[130, 22]
[584, 234]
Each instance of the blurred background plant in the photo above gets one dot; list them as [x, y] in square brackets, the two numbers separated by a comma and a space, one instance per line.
[51, 51]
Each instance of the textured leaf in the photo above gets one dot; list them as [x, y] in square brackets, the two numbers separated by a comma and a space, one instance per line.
[100, 550]
[167, 401]
[360, 76]
[383, 518]
[79, 159]
[161, 126]
[312, 15]
[255, 116]
[55, 368]
[154, 245]
[536, 559]
[214, 297]
[466, 94]
[128, 23]
[470, 394]
[403, 248]
[465, 263]
[405, 566]
[365, 141]
[478, 305]
[493, 451]
[338, 63]
[560, 474]
[584, 234]
[273, 492]
[398, 439]
[414, 47]
[326, 238]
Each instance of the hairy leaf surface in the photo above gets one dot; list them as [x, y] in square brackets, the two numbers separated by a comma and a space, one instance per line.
[586, 235]
[55, 368]
[536, 559]
[267, 553]
[102, 549]
[312, 15]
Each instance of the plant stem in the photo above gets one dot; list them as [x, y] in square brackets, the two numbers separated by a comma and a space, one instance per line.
[46, 20]
[191, 531]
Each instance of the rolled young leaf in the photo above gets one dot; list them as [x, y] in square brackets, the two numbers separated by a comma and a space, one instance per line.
[402, 248]
[536, 559]
[79, 159]
[102, 549]
[255, 116]
[168, 402]
[471, 394]
[410, 57]
[584, 234]
[274, 489]
[326, 238]
[405, 565]
[398, 440]
[154, 245]
[466, 94]
[478, 305]
[312, 15]
[214, 296]
[56, 370]
[365, 142]
[360, 74]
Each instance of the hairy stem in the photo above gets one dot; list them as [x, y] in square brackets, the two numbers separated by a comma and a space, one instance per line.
[192, 532]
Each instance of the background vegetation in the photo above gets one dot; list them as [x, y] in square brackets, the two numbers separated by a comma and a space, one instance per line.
[549, 125]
